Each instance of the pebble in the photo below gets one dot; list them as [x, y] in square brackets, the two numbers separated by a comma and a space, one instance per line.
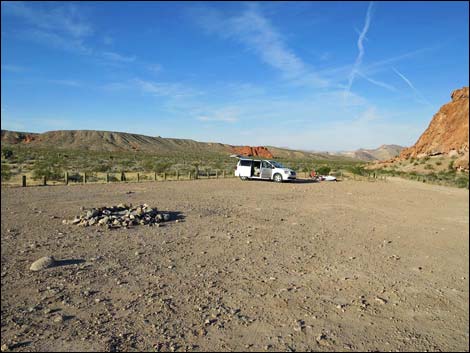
[42, 263]
[58, 319]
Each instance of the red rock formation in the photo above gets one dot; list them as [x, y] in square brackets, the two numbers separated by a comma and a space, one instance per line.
[28, 138]
[448, 130]
[259, 151]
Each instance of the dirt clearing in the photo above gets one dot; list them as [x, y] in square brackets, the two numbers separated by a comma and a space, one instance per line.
[378, 266]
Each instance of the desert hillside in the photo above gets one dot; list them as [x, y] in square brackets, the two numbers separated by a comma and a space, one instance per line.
[109, 141]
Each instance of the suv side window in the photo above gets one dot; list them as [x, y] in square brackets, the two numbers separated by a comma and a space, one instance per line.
[245, 163]
[265, 164]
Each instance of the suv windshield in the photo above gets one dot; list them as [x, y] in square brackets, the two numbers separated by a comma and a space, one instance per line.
[276, 164]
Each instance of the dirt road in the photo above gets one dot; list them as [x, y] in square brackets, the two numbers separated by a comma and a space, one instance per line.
[248, 266]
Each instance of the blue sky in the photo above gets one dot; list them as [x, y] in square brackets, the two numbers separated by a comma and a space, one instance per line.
[306, 75]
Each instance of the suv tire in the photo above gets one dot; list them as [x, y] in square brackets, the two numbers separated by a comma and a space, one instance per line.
[277, 178]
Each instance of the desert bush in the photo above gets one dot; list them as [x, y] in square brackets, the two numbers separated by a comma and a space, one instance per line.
[76, 177]
[6, 172]
[428, 166]
[323, 170]
[358, 170]
[46, 168]
[7, 153]
[438, 162]
[451, 165]
[461, 181]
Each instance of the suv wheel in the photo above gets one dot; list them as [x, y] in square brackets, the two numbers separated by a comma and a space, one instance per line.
[277, 178]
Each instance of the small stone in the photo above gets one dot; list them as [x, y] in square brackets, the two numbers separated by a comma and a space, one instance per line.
[42, 263]
[58, 319]
[5, 347]
[381, 300]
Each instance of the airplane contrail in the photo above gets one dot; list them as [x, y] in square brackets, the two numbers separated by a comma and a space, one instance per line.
[408, 82]
[360, 46]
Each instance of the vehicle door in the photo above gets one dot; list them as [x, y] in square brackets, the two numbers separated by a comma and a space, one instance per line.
[244, 168]
[266, 170]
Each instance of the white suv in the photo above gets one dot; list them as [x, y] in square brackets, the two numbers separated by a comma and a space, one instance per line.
[248, 168]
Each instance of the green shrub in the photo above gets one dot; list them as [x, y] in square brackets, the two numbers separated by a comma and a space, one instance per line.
[6, 172]
[46, 169]
[323, 170]
[428, 166]
[7, 153]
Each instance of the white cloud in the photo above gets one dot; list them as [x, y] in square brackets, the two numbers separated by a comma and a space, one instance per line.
[64, 18]
[13, 68]
[258, 35]
[227, 115]
[172, 90]
[70, 83]
[117, 57]
[155, 68]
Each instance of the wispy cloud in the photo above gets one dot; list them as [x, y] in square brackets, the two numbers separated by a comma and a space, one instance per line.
[155, 68]
[222, 118]
[118, 57]
[62, 27]
[65, 18]
[254, 31]
[360, 46]
[13, 68]
[165, 89]
[418, 94]
[70, 83]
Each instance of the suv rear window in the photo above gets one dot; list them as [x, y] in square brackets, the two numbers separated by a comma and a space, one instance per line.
[245, 163]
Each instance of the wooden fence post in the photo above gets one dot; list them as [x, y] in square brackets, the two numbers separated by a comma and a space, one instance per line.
[66, 177]
[138, 177]
[177, 175]
[155, 176]
[44, 181]
[217, 174]
[223, 174]
[189, 175]
[123, 177]
[84, 177]
[107, 177]
[164, 176]
[23, 180]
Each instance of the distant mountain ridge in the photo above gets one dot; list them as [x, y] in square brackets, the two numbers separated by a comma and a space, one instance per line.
[369, 155]
[109, 141]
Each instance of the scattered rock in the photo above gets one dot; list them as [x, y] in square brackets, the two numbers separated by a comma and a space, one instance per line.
[381, 300]
[58, 319]
[42, 263]
[119, 216]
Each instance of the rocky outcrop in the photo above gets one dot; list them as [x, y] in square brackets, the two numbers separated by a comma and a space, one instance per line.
[259, 151]
[447, 132]
[14, 137]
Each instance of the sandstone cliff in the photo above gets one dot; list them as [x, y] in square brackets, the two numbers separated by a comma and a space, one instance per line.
[447, 132]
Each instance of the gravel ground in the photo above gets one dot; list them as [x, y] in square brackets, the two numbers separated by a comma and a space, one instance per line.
[242, 266]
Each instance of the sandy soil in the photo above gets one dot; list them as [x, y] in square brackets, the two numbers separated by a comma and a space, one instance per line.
[376, 266]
